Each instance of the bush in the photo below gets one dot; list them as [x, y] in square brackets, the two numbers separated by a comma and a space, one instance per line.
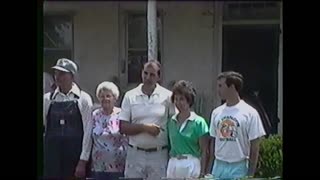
[270, 157]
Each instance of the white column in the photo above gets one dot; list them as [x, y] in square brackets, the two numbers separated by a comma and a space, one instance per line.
[152, 30]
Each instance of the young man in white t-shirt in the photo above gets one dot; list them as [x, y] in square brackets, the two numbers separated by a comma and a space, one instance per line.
[236, 129]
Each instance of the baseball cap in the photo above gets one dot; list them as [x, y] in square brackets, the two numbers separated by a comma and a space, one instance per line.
[66, 65]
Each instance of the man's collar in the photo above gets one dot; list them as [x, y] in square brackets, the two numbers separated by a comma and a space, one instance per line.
[155, 91]
[75, 90]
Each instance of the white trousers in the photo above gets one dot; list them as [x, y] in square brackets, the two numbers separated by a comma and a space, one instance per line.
[184, 168]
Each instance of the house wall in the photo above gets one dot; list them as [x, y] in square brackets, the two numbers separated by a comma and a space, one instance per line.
[187, 42]
[96, 46]
[188, 47]
[96, 42]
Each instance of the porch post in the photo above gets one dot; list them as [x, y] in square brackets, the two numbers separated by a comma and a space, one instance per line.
[152, 30]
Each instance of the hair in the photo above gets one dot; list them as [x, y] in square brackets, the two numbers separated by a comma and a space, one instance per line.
[232, 78]
[153, 62]
[106, 85]
[186, 89]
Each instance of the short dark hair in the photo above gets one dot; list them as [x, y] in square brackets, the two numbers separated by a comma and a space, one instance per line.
[186, 89]
[153, 62]
[234, 78]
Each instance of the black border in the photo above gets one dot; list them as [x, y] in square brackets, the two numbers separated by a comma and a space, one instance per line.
[39, 97]
[300, 80]
[21, 84]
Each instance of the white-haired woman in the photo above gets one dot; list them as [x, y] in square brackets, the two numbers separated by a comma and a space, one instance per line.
[109, 146]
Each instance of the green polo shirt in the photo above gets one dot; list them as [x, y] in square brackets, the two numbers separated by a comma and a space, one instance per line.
[185, 139]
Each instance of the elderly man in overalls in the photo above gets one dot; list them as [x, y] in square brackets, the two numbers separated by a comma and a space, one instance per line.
[67, 121]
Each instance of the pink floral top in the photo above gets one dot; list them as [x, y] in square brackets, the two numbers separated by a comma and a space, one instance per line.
[109, 146]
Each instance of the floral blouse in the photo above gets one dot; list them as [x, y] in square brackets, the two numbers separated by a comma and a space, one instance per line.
[109, 146]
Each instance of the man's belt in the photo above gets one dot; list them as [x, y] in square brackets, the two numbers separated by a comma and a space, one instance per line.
[149, 149]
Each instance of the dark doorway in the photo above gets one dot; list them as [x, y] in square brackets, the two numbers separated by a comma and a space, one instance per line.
[253, 51]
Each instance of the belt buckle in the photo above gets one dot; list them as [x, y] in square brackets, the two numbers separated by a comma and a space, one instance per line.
[159, 148]
[62, 122]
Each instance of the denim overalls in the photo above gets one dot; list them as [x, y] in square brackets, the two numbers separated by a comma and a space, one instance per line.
[63, 139]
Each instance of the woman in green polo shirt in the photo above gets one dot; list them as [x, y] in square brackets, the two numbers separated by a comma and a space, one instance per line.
[188, 134]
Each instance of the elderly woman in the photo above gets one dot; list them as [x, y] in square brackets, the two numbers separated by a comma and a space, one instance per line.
[188, 134]
[109, 146]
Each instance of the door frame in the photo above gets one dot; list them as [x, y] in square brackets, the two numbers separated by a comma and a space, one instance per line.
[218, 50]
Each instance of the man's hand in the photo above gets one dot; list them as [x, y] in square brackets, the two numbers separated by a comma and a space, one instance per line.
[254, 156]
[81, 169]
[152, 129]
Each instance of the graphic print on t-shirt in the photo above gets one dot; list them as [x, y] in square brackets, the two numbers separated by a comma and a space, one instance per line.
[227, 128]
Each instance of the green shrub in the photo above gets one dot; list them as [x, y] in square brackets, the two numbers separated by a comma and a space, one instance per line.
[270, 157]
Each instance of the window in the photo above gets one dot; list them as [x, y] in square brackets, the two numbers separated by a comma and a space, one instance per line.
[58, 39]
[138, 45]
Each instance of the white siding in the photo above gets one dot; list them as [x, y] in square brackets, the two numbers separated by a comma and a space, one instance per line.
[188, 46]
[96, 45]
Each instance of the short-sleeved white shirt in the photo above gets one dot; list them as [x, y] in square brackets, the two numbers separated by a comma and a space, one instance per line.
[233, 128]
[138, 108]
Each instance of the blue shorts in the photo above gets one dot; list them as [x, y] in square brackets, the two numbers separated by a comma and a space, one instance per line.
[225, 170]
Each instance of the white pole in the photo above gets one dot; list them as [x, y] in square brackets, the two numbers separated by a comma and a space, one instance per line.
[152, 30]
